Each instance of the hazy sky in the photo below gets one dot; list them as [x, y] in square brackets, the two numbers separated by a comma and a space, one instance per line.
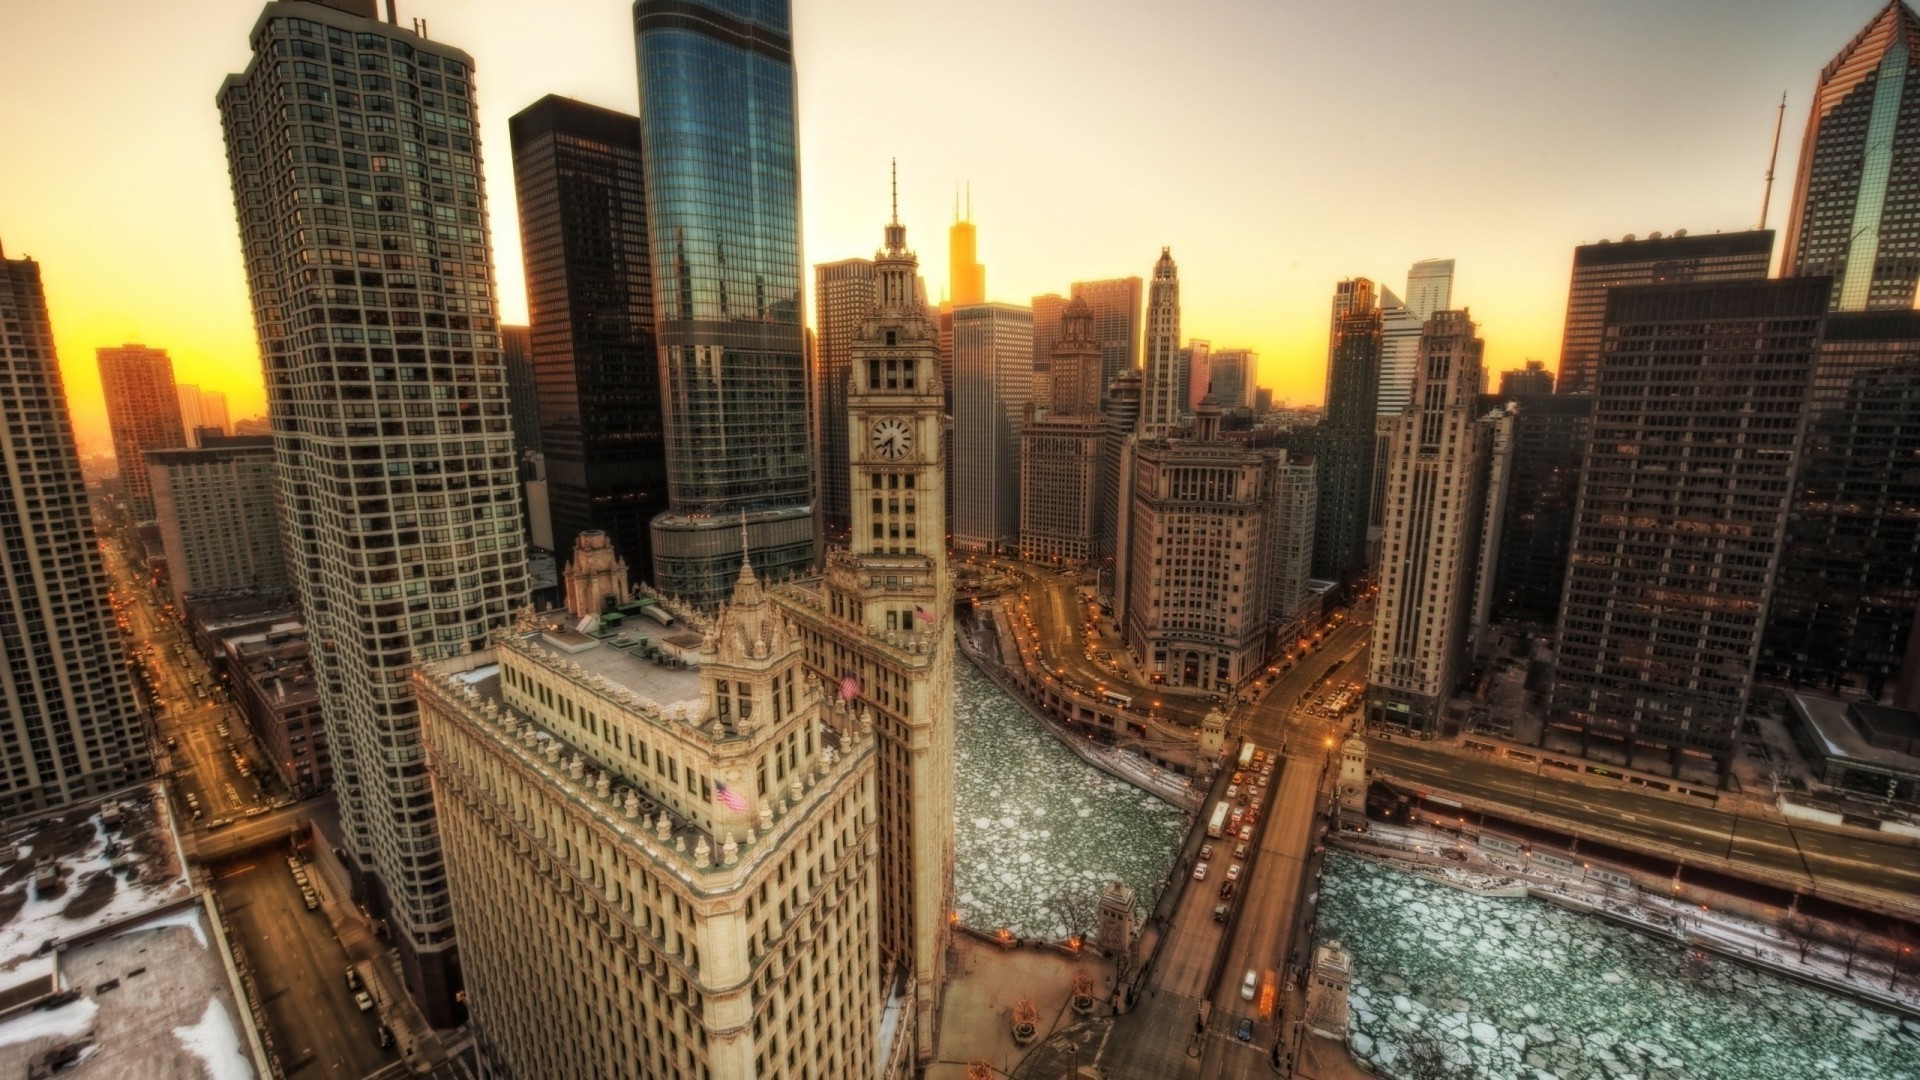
[1275, 145]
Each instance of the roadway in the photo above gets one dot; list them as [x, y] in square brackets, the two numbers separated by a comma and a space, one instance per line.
[300, 968]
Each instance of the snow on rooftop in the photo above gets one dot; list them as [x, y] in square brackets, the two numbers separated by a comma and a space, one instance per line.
[74, 875]
[69, 1021]
[214, 1041]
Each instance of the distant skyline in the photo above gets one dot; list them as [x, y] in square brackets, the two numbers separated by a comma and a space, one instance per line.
[1275, 147]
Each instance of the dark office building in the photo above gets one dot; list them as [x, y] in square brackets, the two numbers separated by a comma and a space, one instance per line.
[523, 394]
[1699, 413]
[1345, 446]
[1520, 382]
[1549, 438]
[583, 229]
[1656, 260]
[1856, 208]
[1843, 605]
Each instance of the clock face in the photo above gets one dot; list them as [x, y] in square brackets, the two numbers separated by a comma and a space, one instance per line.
[891, 438]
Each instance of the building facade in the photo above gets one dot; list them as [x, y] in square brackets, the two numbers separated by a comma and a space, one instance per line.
[1204, 555]
[1429, 287]
[992, 383]
[523, 389]
[216, 509]
[1856, 212]
[878, 625]
[1400, 331]
[1699, 415]
[1344, 448]
[1655, 260]
[1116, 323]
[1060, 447]
[1196, 370]
[1230, 378]
[650, 876]
[1161, 403]
[69, 727]
[1550, 433]
[583, 229]
[727, 273]
[143, 413]
[1440, 449]
[273, 683]
[1533, 380]
[381, 349]
[1842, 613]
[842, 296]
[1047, 311]
[1113, 483]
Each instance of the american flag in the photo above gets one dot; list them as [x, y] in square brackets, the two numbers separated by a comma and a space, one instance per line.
[729, 798]
[849, 688]
[922, 613]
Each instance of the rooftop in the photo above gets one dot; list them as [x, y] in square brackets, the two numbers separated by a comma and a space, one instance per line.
[1828, 719]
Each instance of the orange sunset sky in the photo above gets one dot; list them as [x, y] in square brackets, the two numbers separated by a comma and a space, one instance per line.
[1277, 146]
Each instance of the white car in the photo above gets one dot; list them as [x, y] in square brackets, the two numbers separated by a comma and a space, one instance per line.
[1249, 984]
[1200, 872]
[365, 1000]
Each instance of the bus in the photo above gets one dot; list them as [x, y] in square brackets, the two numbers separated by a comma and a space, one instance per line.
[1119, 700]
[1217, 826]
[1246, 755]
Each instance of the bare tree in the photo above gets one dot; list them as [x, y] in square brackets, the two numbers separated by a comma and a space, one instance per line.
[1425, 1056]
[1076, 905]
[1801, 931]
[1849, 937]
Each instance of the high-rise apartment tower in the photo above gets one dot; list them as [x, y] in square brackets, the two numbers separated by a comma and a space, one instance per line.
[143, 413]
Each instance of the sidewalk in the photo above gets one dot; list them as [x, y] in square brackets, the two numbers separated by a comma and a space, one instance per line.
[418, 1043]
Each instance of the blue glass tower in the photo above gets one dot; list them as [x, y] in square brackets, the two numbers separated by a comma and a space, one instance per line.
[723, 217]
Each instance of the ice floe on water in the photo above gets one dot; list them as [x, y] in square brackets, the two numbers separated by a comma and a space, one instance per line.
[1517, 989]
[1032, 820]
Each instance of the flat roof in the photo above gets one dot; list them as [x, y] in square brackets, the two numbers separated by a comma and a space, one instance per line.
[1827, 718]
[664, 684]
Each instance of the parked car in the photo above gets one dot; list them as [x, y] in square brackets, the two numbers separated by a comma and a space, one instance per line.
[1248, 984]
[311, 899]
[365, 1001]
[385, 1036]
[353, 978]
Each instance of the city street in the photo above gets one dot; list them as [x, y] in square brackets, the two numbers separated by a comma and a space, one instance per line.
[201, 758]
[301, 970]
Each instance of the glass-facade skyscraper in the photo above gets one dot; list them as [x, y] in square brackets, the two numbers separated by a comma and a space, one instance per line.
[723, 217]
[1856, 209]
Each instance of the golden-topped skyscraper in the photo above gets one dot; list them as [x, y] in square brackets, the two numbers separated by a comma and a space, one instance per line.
[878, 626]
[967, 279]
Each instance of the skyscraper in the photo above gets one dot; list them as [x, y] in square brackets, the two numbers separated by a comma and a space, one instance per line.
[1843, 606]
[1400, 331]
[523, 392]
[1656, 260]
[143, 413]
[1161, 404]
[1230, 378]
[1345, 448]
[69, 728]
[1530, 381]
[1698, 417]
[1430, 287]
[1047, 311]
[878, 625]
[381, 348]
[966, 278]
[213, 411]
[1113, 485]
[1439, 452]
[726, 263]
[1550, 434]
[1196, 372]
[1060, 449]
[993, 377]
[842, 297]
[191, 418]
[215, 506]
[1116, 322]
[1856, 211]
[583, 228]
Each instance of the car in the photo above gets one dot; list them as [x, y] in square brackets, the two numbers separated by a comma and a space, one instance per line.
[1245, 1031]
[1200, 872]
[1206, 852]
[1233, 791]
[1238, 778]
[1246, 832]
[1248, 984]
[1220, 912]
[353, 978]
[172, 742]
[293, 862]
[300, 878]
[311, 899]
[385, 1035]
[1227, 890]
[1239, 851]
[363, 1001]
[1233, 872]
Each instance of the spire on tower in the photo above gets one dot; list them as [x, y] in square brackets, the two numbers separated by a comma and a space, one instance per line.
[894, 164]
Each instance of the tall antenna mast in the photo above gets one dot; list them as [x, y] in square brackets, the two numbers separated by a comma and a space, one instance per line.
[1773, 158]
[894, 164]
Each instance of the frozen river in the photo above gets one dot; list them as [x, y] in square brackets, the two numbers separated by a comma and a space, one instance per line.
[1034, 823]
[1527, 991]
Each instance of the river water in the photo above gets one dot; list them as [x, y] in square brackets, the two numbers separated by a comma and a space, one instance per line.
[1034, 822]
[1518, 989]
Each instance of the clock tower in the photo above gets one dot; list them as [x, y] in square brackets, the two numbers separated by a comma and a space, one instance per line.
[878, 626]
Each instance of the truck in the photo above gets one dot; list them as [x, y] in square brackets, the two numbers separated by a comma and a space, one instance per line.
[1246, 754]
[1217, 825]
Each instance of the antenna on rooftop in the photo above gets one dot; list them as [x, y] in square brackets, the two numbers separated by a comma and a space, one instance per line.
[1773, 158]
